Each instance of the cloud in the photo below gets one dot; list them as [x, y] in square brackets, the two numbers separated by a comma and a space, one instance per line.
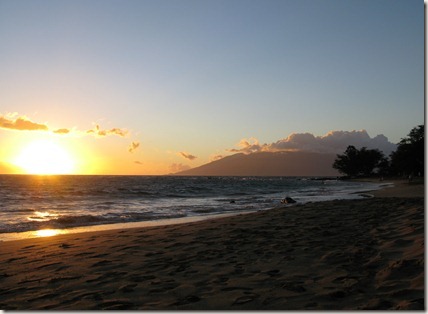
[216, 157]
[333, 142]
[21, 124]
[247, 146]
[118, 131]
[187, 156]
[173, 168]
[62, 131]
[114, 131]
[133, 147]
[12, 121]
[138, 162]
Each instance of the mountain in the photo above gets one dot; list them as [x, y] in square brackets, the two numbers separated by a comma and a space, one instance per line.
[268, 164]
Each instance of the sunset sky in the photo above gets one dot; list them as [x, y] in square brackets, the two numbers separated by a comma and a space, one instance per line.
[153, 87]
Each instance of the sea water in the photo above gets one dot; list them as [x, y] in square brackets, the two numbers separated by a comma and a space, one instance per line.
[33, 202]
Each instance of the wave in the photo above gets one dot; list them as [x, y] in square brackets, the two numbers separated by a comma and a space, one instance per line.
[69, 221]
[31, 203]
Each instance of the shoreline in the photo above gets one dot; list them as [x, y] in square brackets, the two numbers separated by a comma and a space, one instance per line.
[397, 187]
[14, 236]
[364, 254]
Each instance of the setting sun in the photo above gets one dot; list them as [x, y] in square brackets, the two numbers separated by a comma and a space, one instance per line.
[45, 157]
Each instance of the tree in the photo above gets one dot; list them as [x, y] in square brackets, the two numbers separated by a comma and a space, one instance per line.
[369, 160]
[384, 167]
[348, 162]
[356, 162]
[409, 158]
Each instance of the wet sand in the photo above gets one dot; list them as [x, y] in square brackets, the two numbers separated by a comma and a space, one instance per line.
[336, 255]
[402, 188]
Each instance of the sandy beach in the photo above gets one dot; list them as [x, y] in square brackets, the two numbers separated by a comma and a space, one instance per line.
[337, 255]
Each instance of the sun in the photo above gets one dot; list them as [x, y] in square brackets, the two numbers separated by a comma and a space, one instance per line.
[45, 157]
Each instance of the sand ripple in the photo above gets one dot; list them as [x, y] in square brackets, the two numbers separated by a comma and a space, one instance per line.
[362, 254]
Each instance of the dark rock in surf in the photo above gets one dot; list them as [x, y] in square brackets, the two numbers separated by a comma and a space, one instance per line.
[288, 200]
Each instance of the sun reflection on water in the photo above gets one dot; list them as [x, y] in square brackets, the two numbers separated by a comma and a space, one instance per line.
[41, 216]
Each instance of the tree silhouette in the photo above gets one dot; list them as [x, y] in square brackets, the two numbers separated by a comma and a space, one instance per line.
[356, 162]
[348, 162]
[408, 159]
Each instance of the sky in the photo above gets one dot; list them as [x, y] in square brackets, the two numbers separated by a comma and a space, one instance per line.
[153, 87]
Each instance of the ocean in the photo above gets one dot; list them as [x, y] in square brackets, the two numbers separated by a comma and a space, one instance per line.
[33, 202]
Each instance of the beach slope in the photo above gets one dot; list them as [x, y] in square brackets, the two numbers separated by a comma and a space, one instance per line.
[361, 254]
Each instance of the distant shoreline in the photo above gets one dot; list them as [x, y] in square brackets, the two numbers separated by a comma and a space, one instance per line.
[397, 187]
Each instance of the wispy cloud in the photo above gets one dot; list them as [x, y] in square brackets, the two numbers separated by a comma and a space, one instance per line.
[247, 146]
[13, 121]
[187, 156]
[20, 124]
[62, 131]
[133, 147]
[138, 162]
[114, 131]
[332, 142]
[216, 157]
[173, 168]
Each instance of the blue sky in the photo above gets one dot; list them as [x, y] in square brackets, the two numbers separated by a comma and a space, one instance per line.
[199, 76]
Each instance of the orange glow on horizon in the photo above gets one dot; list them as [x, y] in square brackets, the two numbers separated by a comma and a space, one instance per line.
[37, 153]
[45, 157]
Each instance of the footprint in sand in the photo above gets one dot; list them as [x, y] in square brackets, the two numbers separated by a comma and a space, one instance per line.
[245, 299]
[64, 246]
[187, 300]
[101, 263]
[128, 288]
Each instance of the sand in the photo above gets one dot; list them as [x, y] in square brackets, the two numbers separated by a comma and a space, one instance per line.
[337, 255]
[402, 188]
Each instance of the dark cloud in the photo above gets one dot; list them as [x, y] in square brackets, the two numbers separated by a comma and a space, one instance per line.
[21, 124]
[187, 156]
[138, 162]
